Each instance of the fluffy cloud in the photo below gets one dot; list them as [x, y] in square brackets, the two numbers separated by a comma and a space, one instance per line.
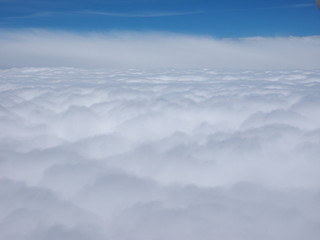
[154, 50]
[179, 154]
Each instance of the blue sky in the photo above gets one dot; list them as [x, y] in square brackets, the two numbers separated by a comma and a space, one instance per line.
[222, 18]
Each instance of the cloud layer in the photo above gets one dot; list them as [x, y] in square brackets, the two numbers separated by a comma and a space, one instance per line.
[179, 154]
[39, 48]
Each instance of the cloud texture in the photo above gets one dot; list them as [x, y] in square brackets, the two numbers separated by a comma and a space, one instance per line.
[140, 155]
[39, 48]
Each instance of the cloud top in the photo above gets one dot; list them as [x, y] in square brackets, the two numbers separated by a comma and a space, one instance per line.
[180, 154]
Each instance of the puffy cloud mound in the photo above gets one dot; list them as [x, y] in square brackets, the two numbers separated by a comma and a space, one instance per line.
[197, 154]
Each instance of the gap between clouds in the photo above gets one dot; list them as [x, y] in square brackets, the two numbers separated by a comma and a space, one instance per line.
[41, 48]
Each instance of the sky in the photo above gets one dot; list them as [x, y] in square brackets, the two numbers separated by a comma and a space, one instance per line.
[206, 17]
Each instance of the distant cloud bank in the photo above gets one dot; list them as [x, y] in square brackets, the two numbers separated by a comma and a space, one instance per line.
[39, 48]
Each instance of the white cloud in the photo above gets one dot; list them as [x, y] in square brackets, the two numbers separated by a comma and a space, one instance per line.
[303, 5]
[37, 48]
[138, 14]
[87, 13]
[176, 154]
